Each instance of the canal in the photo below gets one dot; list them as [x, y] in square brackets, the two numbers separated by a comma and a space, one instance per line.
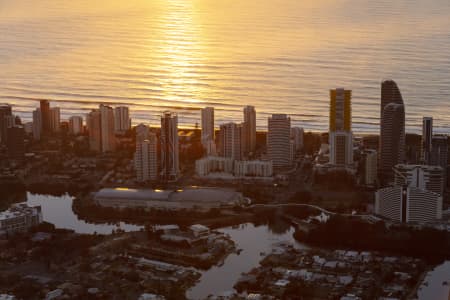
[58, 211]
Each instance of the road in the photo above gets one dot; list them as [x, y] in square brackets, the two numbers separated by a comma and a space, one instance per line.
[367, 217]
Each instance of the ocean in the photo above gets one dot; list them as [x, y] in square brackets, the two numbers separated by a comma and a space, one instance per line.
[282, 56]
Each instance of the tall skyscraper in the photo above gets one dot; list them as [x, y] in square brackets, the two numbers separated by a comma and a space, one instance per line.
[392, 131]
[15, 143]
[439, 151]
[28, 127]
[122, 121]
[297, 134]
[341, 148]
[5, 111]
[340, 110]
[108, 137]
[93, 124]
[249, 131]
[37, 124]
[278, 140]
[45, 117]
[370, 167]
[76, 125]
[340, 135]
[230, 141]
[146, 158]
[208, 130]
[427, 136]
[170, 169]
[142, 133]
[390, 93]
[55, 119]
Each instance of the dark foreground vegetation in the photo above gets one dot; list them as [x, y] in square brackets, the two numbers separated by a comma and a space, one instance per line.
[341, 232]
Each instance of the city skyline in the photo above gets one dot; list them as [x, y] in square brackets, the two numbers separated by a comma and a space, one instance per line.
[195, 63]
[235, 150]
[296, 120]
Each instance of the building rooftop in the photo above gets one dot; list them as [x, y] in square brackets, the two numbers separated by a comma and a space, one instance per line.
[125, 193]
[181, 195]
[17, 210]
[198, 228]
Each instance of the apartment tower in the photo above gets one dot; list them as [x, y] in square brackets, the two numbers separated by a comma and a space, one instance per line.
[340, 135]
[427, 137]
[249, 131]
[392, 131]
[170, 169]
[278, 140]
[207, 138]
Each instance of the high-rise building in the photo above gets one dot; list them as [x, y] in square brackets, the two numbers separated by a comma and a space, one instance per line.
[249, 131]
[370, 167]
[430, 178]
[37, 124]
[28, 127]
[108, 137]
[142, 133]
[392, 131]
[170, 169]
[208, 130]
[93, 124]
[55, 119]
[408, 204]
[45, 117]
[341, 148]
[15, 143]
[278, 140]
[340, 135]
[390, 93]
[439, 151]
[5, 111]
[230, 141]
[146, 158]
[122, 121]
[17, 120]
[76, 125]
[297, 134]
[427, 136]
[12, 120]
[415, 197]
[340, 110]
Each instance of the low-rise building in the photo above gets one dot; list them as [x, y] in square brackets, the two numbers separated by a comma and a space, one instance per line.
[192, 198]
[229, 168]
[214, 164]
[253, 168]
[19, 218]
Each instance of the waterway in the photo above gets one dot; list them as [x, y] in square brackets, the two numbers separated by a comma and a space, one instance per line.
[58, 211]
[433, 286]
[255, 242]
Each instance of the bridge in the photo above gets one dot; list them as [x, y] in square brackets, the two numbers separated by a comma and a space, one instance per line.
[366, 217]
